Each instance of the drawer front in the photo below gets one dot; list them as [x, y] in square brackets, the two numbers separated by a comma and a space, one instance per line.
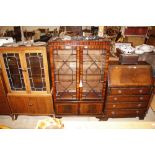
[127, 105]
[125, 113]
[91, 108]
[66, 108]
[129, 91]
[127, 98]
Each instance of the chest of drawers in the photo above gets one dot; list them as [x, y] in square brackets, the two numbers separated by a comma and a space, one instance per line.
[129, 90]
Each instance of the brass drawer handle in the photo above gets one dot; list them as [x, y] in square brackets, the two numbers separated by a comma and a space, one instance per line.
[141, 98]
[139, 105]
[140, 90]
[68, 47]
[30, 104]
[119, 92]
[137, 112]
[113, 113]
[113, 105]
[115, 98]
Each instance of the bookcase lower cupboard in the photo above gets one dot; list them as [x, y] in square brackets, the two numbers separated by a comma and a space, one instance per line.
[25, 71]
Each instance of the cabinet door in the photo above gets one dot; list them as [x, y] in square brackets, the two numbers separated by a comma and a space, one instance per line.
[64, 74]
[40, 105]
[94, 64]
[37, 71]
[13, 71]
[18, 104]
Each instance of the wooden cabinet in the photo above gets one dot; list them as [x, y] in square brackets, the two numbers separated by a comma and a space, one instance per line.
[129, 90]
[31, 104]
[78, 73]
[4, 106]
[25, 70]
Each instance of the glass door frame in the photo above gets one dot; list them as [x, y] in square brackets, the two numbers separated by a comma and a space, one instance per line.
[96, 47]
[79, 64]
[22, 51]
[52, 63]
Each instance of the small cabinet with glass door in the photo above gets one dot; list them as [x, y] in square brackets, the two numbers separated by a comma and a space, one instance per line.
[26, 75]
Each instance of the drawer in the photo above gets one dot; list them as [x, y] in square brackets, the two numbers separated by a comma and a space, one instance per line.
[91, 108]
[125, 113]
[126, 105]
[66, 108]
[129, 91]
[128, 98]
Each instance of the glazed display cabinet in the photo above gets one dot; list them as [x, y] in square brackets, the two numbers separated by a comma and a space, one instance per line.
[25, 71]
[78, 74]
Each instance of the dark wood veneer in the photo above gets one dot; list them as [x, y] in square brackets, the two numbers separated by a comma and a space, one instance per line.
[92, 58]
[129, 90]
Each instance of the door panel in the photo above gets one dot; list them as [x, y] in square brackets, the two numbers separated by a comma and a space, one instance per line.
[65, 74]
[14, 71]
[36, 72]
[93, 74]
[40, 105]
[66, 108]
[91, 108]
[18, 104]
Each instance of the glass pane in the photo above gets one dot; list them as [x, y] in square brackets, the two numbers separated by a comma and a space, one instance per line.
[36, 71]
[93, 74]
[65, 74]
[14, 71]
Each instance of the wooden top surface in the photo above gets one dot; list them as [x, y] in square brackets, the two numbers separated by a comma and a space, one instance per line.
[21, 48]
[79, 42]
